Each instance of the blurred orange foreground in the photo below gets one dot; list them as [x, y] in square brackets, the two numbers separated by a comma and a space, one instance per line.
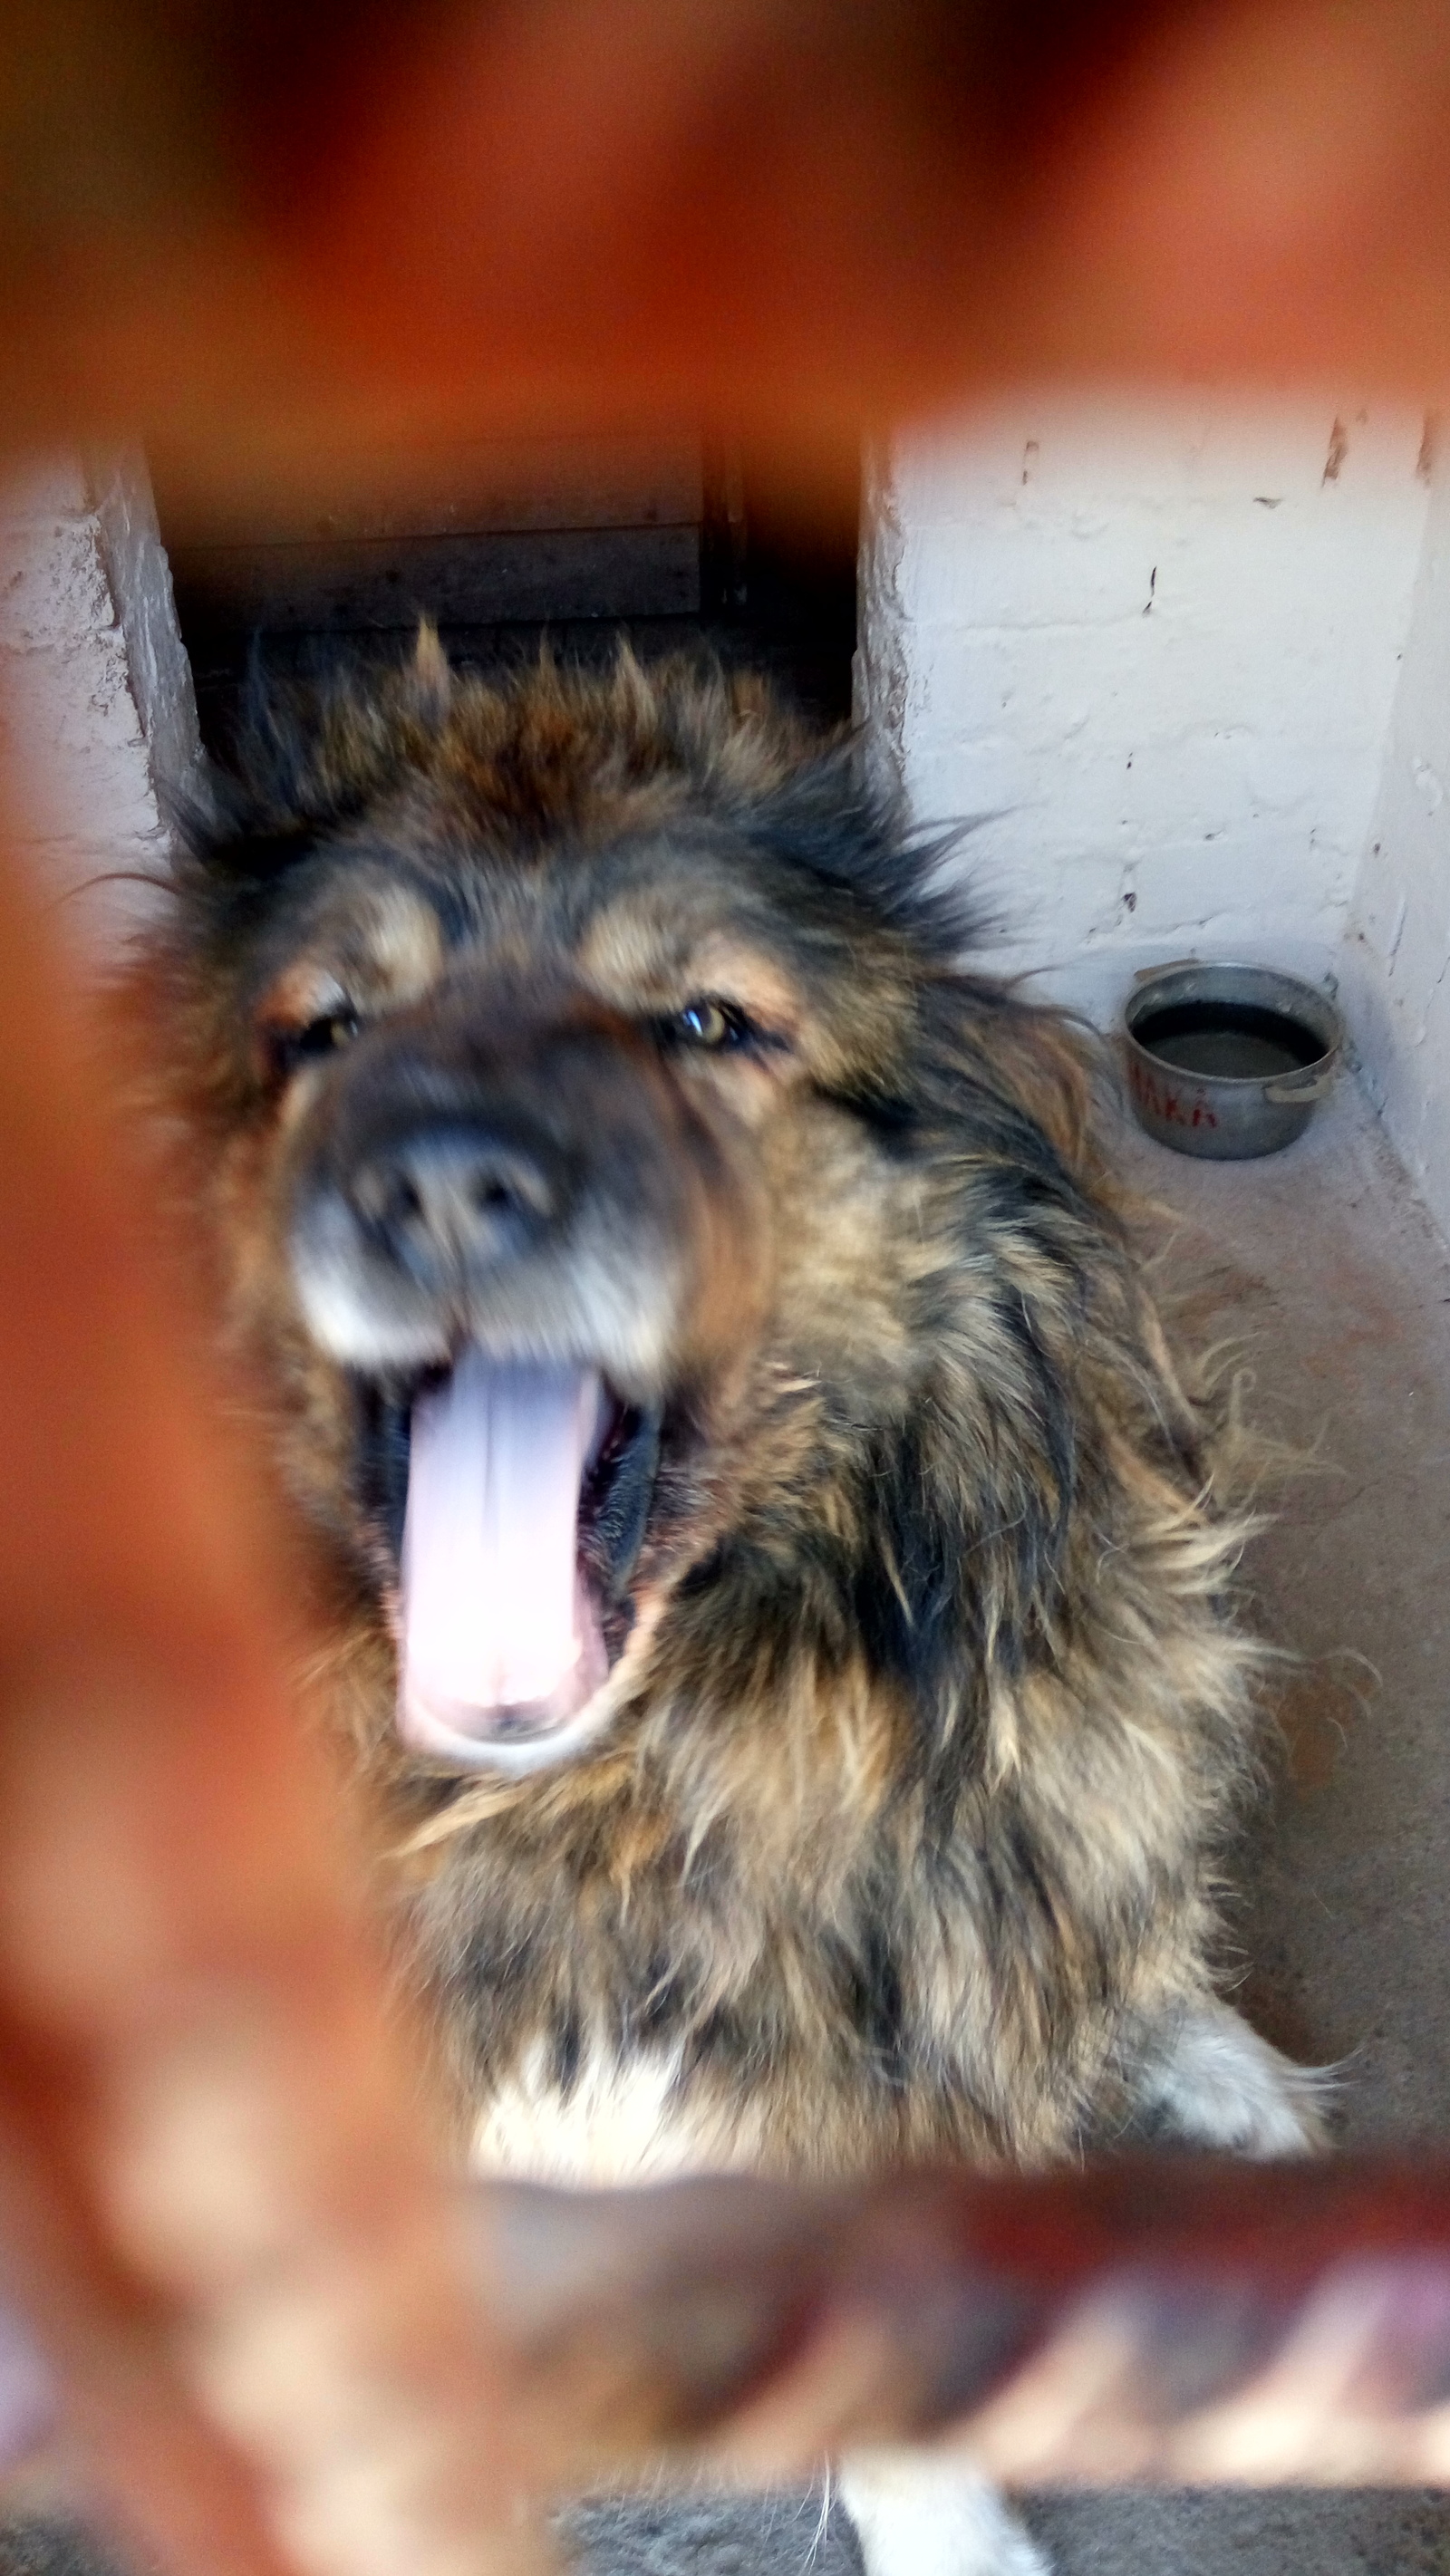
[279, 249]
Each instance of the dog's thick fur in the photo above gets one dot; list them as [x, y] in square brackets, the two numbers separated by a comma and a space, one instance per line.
[893, 1832]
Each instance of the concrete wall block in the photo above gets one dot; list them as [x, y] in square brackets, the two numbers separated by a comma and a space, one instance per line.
[54, 595]
[88, 709]
[51, 485]
[1074, 456]
[880, 668]
[1016, 575]
[139, 577]
[1160, 649]
[1397, 955]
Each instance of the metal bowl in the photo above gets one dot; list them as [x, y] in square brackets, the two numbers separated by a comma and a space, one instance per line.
[1228, 1061]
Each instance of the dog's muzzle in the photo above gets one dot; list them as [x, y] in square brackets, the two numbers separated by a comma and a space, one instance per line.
[502, 1253]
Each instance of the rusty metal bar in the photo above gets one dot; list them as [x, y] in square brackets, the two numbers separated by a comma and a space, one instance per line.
[1168, 2318]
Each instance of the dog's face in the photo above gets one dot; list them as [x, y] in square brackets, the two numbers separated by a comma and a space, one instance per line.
[568, 1099]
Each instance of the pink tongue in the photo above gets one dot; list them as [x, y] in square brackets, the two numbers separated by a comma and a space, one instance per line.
[500, 1639]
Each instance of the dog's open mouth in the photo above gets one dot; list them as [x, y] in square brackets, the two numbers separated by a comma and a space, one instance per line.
[528, 1489]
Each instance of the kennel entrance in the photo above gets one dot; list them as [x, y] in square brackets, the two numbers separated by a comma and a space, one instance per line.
[669, 538]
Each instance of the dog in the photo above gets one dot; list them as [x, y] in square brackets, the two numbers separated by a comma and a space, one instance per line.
[778, 1605]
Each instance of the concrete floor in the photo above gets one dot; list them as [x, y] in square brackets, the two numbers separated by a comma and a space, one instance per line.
[1320, 1263]
[1340, 1288]
[1325, 1269]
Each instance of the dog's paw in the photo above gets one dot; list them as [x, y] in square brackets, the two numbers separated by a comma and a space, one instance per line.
[927, 2514]
[1208, 2080]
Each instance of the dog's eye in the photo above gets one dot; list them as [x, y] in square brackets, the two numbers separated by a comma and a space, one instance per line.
[320, 1037]
[708, 1023]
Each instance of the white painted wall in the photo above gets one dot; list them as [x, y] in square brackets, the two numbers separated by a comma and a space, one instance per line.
[1159, 648]
[1397, 955]
[97, 711]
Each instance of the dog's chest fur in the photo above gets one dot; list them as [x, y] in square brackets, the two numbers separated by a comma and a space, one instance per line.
[808, 1983]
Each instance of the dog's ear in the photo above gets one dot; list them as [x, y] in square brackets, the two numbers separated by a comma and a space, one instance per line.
[310, 751]
[856, 841]
[228, 834]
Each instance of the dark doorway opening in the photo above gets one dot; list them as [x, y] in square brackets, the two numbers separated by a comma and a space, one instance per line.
[672, 540]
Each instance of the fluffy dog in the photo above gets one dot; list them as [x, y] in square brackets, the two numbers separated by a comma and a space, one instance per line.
[776, 1591]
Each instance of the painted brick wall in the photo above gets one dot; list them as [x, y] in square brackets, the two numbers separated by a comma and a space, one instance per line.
[95, 693]
[1159, 650]
[1397, 956]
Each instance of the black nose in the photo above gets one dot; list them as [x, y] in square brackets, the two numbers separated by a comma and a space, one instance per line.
[445, 1203]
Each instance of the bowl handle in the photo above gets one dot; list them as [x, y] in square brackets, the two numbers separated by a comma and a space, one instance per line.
[1302, 1089]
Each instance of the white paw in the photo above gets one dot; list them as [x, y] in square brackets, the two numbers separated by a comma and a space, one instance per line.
[1212, 2082]
[924, 2513]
